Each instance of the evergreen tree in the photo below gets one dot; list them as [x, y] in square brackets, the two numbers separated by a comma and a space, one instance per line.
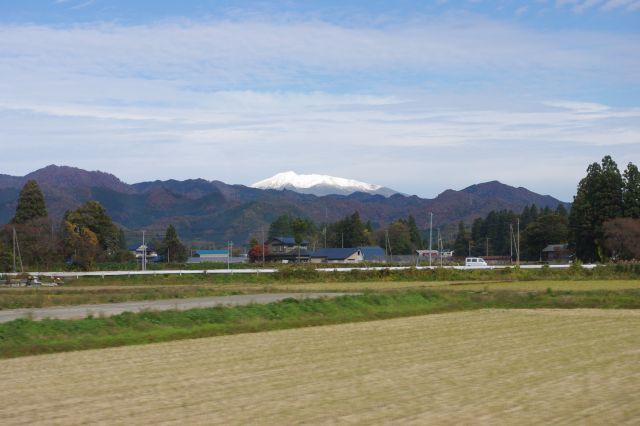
[548, 229]
[598, 199]
[561, 210]
[461, 244]
[414, 234]
[631, 192]
[171, 246]
[348, 232]
[31, 204]
[400, 238]
[281, 227]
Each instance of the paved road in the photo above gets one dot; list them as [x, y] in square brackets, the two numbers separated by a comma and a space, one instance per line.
[108, 309]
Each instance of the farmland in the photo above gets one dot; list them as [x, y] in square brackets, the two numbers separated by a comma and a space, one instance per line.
[87, 291]
[486, 366]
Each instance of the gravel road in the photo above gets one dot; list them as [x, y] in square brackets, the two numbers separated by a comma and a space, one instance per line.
[108, 309]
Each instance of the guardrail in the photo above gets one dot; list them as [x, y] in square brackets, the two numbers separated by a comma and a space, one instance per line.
[272, 270]
[460, 267]
[152, 273]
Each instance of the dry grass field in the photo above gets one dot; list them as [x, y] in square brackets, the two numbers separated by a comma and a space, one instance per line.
[479, 367]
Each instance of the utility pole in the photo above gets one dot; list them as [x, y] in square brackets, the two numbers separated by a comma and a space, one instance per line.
[487, 245]
[144, 253]
[518, 245]
[324, 231]
[387, 245]
[440, 247]
[511, 243]
[342, 239]
[430, 235]
[15, 240]
[263, 246]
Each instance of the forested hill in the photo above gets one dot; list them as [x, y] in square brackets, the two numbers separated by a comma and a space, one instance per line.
[215, 211]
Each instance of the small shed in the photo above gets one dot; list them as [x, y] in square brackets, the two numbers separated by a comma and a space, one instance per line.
[556, 253]
[212, 255]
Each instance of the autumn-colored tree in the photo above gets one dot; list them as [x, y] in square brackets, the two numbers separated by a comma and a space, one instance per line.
[80, 245]
[255, 252]
[622, 238]
[92, 216]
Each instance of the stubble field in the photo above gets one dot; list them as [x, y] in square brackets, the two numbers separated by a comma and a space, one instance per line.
[487, 366]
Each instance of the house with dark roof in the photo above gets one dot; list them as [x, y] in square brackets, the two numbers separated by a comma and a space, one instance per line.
[348, 255]
[373, 254]
[336, 255]
[139, 249]
[286, 249]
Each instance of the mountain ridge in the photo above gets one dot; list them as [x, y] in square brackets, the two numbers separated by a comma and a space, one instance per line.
[213, 211]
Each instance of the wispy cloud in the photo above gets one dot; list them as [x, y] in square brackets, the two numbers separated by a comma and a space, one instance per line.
[316, 94]
[581, 6]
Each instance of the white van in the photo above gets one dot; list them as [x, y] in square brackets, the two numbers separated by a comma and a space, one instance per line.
[475, 262]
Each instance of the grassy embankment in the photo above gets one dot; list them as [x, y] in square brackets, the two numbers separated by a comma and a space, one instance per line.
[16, 298]
[27, 337]
[88, 290]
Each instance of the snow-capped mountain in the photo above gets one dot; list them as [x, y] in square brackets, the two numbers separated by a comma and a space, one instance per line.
[320, 185]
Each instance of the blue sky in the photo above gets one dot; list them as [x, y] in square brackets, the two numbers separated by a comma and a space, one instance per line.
[416, 96]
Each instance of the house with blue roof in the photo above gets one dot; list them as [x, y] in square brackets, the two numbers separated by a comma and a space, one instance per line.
[336, 255]
[373, 254]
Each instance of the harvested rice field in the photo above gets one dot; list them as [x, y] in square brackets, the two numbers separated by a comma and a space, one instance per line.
[488, 366]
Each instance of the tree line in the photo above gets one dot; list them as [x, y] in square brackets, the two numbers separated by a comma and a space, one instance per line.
[400, 237]
[602, 224]
[604, 221]
[496, 234]
[84, 237]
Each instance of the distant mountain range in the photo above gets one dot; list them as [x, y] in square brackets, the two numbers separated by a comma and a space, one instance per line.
[321, 185]
[213, 211]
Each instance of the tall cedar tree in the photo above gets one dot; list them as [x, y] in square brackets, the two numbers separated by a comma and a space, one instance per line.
[281, 227]
[30, 204]
[348, 232]
[461, 244]
[550, 228]
[631, 192]
[172, 248]
[598, 199]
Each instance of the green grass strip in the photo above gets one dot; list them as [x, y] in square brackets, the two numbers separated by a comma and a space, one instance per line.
[27, 337]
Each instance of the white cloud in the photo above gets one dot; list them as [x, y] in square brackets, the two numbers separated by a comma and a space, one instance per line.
[241, 100]
[614, 4]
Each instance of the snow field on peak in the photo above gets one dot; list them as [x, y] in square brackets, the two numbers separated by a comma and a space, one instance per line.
[282, 180]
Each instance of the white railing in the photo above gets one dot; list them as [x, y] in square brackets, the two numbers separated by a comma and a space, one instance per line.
[270, 270]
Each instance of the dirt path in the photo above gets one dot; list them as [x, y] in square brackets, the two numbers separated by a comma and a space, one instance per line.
[108, 309]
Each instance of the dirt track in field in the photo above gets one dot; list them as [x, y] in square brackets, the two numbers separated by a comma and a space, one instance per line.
[109, 309]
[491, 367]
